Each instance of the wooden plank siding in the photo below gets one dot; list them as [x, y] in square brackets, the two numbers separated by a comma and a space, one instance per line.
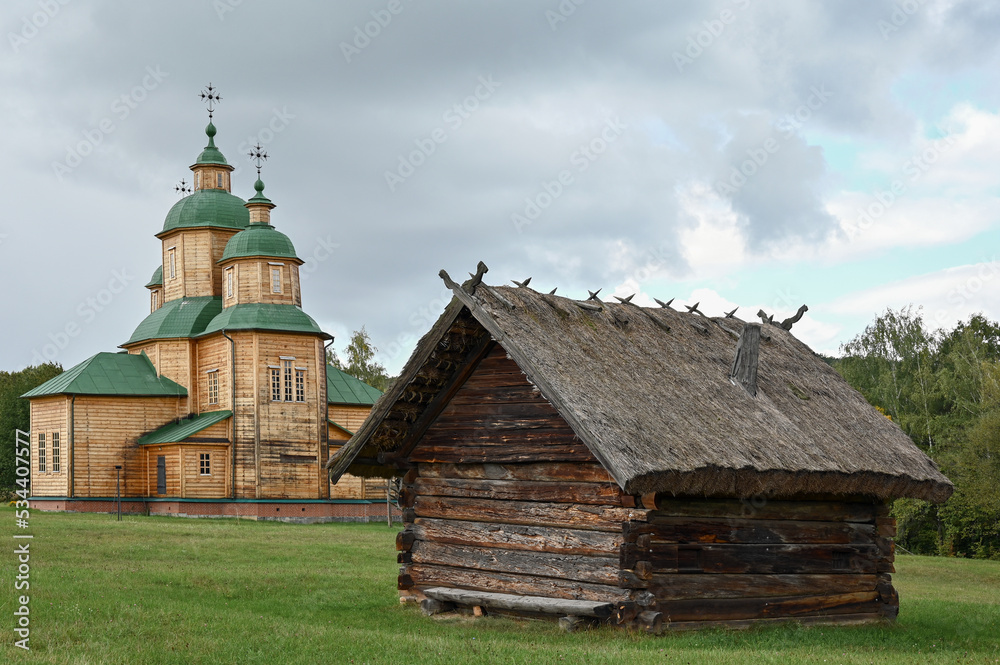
[50, 415]
[106, 430]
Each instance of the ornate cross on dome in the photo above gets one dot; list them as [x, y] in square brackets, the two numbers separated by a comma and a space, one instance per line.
[183, 188]
[210, 96]
[258, 156]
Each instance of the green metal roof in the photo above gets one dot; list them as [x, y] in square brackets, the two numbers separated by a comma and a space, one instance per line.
[339, 426]
[157, 278]
[342, 388]
[259, 240]
[178, 431]
[208, 207]
[184, 317]
[211, 154]
[110, 374]
[264, 316]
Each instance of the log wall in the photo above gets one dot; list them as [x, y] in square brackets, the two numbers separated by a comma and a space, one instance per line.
[505, 499]
[501, 497]
[720, 561]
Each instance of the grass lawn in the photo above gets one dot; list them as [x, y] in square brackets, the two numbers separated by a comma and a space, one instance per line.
[169, 590]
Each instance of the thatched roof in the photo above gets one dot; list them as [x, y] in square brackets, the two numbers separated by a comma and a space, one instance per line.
[648, 390]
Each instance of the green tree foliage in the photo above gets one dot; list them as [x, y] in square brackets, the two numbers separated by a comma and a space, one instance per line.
[360, 361]
[943, 389]
[15, 413]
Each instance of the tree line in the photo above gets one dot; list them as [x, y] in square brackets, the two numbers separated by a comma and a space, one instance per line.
[943, 389]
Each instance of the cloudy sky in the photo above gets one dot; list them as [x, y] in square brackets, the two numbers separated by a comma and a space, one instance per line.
[733, 152]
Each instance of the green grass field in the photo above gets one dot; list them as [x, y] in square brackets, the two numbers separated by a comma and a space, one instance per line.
[168, 590]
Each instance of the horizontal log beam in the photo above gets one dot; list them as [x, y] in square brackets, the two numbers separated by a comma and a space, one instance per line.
[755, 559]
[596, 570]
[425, 576]
[700, 586]
[522, 490]
[761, 608]
[516, 536]
[765, 509]
[745, 530]
[572, 516]
[516, 603]
[553, 471]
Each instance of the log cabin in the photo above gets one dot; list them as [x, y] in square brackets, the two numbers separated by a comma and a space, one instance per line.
[643, 467]
[221, 402]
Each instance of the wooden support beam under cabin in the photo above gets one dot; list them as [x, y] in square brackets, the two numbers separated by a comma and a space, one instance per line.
[517, 603]
[426, 576]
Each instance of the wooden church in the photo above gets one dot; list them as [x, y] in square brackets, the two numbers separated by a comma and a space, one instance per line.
[645, 467]
[222, 402]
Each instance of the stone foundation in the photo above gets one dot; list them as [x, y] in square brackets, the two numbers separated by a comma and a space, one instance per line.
[302, 512]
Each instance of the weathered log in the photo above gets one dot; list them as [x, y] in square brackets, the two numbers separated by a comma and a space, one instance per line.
[625, 612]
[573, 624]
[522, 490]
[432, 606]
[757, 608]
[404, 581]
[553, 471]
[858, 619]
[755, 559]
[512, 448]
[765, 509]
[404, 539]
[433, 575]
[649, 621]
[573, 516]
[404, 557]
[517, 536]
[521, 603]
[744, 530]
[597, 570]
[700, 586]
[886, 526]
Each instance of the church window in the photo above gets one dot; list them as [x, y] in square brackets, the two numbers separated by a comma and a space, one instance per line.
[197, 180]
[213, 386]
[275, 280]
[218, 180]
[172, 262]
[41, 453]
[300, 384]
[56, 453]
[205, 463]
[229, 282]
[287, 366]
[155, 297]
[275, 384]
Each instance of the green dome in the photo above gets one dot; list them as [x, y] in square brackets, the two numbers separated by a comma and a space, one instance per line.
[211, 154]
[157, 278]
[259, 240]
[264, 316]
[208, 207]
[184, 317]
